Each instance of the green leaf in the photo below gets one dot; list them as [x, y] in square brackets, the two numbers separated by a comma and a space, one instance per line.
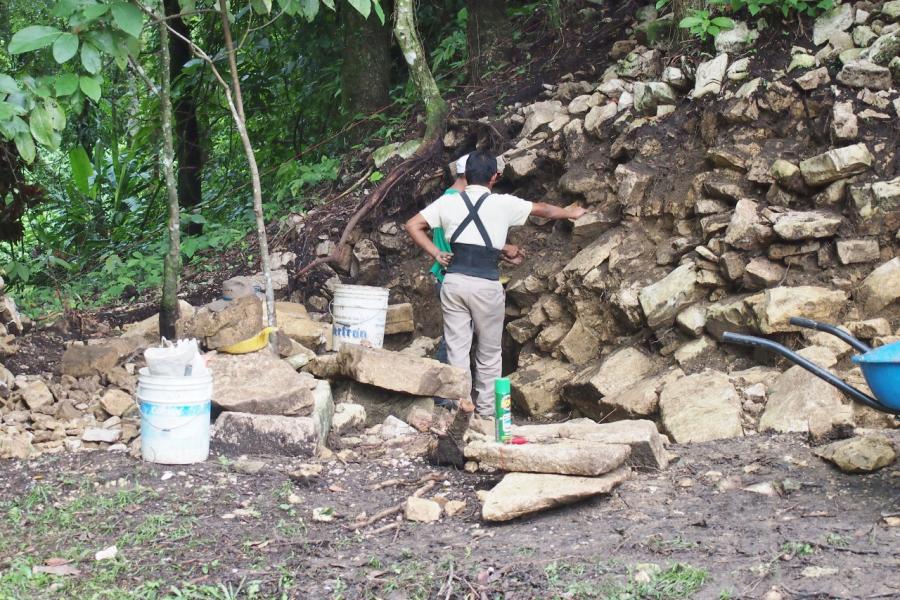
[329, 3]
[9, 110]
[8, 85]
[723, 23]
[91, 87]
[65, 47]
[66, 84]
[309, 9]
[379, 12]
[95, 11]
[64, 8]
[187, 5]
[261, 7]
[41, 126]
[57, 116]
[82, 169]
[128, 18]
[90, 58]
[33, 38]
[688, 22]
[712, 30]
[363, 7]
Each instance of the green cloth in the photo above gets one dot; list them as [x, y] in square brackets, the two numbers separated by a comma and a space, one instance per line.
[437, 236]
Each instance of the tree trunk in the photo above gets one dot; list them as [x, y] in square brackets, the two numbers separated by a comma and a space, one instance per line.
[240, 122]
[488, 36]
[168, 310]
[366, 69]
[436, 108]
[188, 150]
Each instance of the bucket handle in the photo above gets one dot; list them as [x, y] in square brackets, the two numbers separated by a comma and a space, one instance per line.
[168, 429]
[344, 323]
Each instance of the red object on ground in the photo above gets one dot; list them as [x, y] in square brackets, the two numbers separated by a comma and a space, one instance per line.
[518, 441]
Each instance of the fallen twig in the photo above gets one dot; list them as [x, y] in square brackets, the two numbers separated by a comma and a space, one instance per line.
[380, 530]
[378, 516]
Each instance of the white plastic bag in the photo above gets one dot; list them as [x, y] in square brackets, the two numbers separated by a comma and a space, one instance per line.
[181, 359]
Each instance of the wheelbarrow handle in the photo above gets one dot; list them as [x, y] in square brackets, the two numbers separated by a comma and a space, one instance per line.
[758, 342]
[835, 331]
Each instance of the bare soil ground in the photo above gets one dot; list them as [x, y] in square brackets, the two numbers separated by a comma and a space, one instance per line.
[211, 531]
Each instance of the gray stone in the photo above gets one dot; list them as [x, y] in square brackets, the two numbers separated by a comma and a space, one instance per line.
[238, 320]
[402, 373]
[709, 77]
[735, 40]
[762, 273]
[520, 494]
[881, 287]
[695, 355]
[746, 229]
[839, 19]
[835, 164]
[540, 113]
[633, 180]
[778, 305]
[563, 456]
[247, 433]
[536, 389]
[365, 265]
[863, 36]
[700, 408]
[100, 434]
[804, 225]
[614, 375]
[692, 320]
[117, 403]
[393, 428]
[866, 330]
[97, 359]
[37, 395]
[348, 417]
[580, 344]
[380, 404]
[676, 78]
[814, 79]
[801, 402]
[865, 74]
[260, 383]
[860, 454]
[891, 9]
[522, 166]
[421, 510]
[638, 400]
[598, 115]
[647, 96]
[844, 124]
[14, 444]
[857, 251]
[663, 300]
[883, 50]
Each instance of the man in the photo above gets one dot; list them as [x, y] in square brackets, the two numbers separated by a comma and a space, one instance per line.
[472, 300]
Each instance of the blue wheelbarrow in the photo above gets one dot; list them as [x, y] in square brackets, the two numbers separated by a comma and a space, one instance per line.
[880, 367]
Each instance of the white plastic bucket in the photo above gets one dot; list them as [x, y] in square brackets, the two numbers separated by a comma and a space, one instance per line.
[175, 415]
[358, 315]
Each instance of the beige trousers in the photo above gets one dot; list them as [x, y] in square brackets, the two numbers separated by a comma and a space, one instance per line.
[475, 305]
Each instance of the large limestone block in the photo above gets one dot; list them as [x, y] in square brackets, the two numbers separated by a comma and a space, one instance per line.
[835, 164]
[781, 303]
[710, 76]
[700, 408]
[734, 313]
[402, 372]
[563, 457]
[520, 494]
[804, 225]
[260, 383]
[399, 319]
[746, 229]
[294, 322]
[633, 180]
[97, 359]
[614, 375]
[239, 320]
[801, 402]
[865, 74]
[663, 300]
[860, 454]
[149, 327]
[836, 20]
[594, 255]
[647, 444]
[580, 345]
[541, 113]
[881, 287]
[266, 434]
[16, 444]
[537, 389]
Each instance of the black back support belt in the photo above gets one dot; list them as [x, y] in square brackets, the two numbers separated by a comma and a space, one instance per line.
[472, 259]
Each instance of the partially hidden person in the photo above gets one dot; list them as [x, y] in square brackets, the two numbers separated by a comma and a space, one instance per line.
[475, 223]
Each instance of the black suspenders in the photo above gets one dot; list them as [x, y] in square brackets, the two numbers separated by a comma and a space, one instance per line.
[473, 218]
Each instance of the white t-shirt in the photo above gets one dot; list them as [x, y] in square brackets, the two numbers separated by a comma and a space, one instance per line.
[498, 213]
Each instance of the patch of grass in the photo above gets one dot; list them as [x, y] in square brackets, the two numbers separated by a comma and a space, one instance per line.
[797, 548]
[412, 577]
[837, 540]
[678, 581]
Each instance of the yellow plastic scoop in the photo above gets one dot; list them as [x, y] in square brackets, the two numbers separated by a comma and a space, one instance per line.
[254, 344]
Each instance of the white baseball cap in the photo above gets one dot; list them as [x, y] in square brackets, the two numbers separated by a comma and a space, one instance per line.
[461, 165]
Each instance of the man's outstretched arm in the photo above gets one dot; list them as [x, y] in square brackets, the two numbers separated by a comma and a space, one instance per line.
[417, 228]
[549, 211]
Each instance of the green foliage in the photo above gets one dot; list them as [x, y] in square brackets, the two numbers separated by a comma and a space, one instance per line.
[704, 22]
[294, 175]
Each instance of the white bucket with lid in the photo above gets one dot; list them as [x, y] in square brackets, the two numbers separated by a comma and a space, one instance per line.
[175, 415]
[358, 315]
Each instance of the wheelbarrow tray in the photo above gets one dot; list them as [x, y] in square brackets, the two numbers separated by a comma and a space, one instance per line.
[881, 368]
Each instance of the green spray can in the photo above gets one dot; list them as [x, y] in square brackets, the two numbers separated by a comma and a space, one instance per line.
[502, 409]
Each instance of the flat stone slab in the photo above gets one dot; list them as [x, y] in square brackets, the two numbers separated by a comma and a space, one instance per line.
[247, 433]
[701, 408]
[801, 402]
[520, 494]
[647, 444]
[402, 372]
[260, 383]
[563, 457]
